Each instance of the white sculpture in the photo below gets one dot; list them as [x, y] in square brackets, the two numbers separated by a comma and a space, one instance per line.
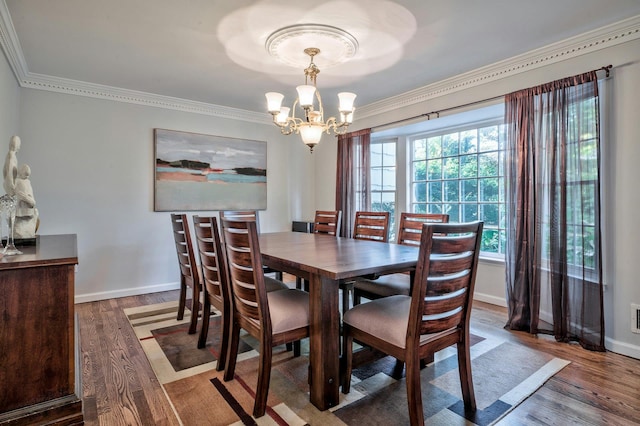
[17, 185]
[26, 213]
[10, 170]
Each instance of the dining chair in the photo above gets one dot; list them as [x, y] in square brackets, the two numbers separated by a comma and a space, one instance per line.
[436, 314]
[409, 232]
[216, 285]
[189, 276]
[325, 222]
[251, 215]
[274, 318]
[371, 226]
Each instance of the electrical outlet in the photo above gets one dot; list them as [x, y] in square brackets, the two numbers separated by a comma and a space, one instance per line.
[635, 318]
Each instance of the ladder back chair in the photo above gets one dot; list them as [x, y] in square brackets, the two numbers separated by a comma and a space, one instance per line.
[409, 232]
[435, 316]
[251, 215]
[189, 276]
[325, 222]
[216, 289]
[371, 226]
[274, 318]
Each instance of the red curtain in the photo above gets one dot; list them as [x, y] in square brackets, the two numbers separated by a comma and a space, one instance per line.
[352, 177]
[552, 190]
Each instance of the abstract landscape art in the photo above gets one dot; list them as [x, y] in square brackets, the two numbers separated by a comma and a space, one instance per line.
[196, 172]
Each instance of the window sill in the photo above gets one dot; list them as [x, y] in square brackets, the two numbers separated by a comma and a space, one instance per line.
[491, 260]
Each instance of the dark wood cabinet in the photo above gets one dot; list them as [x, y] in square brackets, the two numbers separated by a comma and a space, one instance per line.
[38, 366]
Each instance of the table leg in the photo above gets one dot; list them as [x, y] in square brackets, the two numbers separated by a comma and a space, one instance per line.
[324, 342]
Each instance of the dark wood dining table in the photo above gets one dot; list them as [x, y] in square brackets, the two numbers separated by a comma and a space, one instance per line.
[325, 260]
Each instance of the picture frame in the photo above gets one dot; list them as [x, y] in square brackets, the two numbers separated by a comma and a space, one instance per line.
[199, 172]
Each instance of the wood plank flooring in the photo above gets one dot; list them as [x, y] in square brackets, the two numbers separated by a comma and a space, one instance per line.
[119, 387]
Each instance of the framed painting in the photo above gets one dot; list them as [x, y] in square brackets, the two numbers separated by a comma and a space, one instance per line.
[195, 172]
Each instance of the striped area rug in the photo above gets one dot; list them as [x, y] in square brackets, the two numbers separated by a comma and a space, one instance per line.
[378, 394]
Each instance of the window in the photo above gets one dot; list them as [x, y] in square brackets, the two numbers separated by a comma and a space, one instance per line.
[460, 172]
[383, 180]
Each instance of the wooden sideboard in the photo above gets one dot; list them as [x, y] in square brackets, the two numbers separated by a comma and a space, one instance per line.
[38, 367]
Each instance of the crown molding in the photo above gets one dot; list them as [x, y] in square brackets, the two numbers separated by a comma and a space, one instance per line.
[13, 51]
[611, 35]
[608, 36]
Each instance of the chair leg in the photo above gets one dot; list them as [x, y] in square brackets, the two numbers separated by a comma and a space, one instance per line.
[466, 380]
[357, 298]
[182, 298]
[264, 376]
[414, 392]
[279, 275]
[347, 289]
[232, 351]
[347, 355]
[289, 346]
[296, 348]
[195, 309]
[298, 283]
[204, 330]
[224, 344]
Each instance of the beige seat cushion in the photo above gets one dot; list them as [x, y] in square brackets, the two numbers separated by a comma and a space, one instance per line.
[386, 285]
[271, 284]
[289, 310]
[386, 318]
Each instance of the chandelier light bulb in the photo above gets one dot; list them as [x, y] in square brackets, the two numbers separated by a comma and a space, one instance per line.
[311, 125]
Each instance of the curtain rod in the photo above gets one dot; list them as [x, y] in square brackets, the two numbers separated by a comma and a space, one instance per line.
[437, 113]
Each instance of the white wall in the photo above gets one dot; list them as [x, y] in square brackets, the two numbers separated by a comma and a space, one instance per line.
[621, 196]
[9, 104]
[92, 174]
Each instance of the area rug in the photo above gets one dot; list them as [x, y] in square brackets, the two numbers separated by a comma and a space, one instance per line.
[378, 393]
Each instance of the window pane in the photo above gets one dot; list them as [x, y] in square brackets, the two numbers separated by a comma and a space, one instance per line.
[451, 191]
[452, 211]
[434, 147]
[376, 179]
[435, 191]
[490, 240]
[470, 190]
[488, 138]
[488, 189]
[419, 208]
[376, 154]
[488, 164]
[420, 192]
[389, 151]
[450, 145]
[451, 168]
[434, 169]
[420, 149]
[489, 214]
[469, 212]
[469, 166]
[468, 142]
[420, 170]
[389, 178]
[435, 208]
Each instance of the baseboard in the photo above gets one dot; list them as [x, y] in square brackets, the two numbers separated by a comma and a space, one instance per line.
[92, 297]
[622, 348]
[488, 298]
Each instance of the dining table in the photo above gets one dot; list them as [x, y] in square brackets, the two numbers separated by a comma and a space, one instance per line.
[325, 261]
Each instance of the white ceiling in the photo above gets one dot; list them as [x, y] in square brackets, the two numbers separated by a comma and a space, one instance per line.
[213, 51]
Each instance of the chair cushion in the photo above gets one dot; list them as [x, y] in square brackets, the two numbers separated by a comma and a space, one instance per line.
[271, 284]
[386, 285]
[289, 310]
[386, 318]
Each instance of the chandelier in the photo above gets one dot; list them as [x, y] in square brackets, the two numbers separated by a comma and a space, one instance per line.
[311, 125]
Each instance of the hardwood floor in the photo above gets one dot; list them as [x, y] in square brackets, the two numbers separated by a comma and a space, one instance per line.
[119, 387]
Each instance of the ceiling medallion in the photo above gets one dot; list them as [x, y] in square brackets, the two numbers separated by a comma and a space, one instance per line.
[336, 44]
